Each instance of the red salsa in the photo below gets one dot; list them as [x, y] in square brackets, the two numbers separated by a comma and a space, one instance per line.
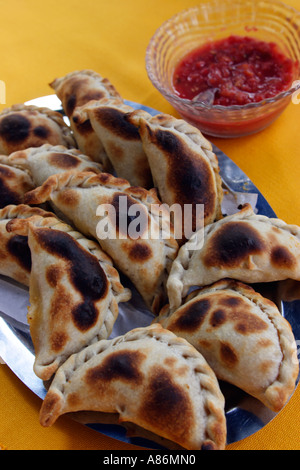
[233, 71]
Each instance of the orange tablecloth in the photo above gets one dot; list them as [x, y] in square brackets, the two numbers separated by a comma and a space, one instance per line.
[44, 40]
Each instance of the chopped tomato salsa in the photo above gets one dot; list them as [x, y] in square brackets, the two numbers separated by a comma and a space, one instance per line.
[233, 71]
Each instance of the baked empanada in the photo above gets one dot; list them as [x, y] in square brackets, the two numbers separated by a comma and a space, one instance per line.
[184, 168]
[14, 183]
[48, 160]
[243, 337]
[244, 246]
[137, 236]
[15, 258]
[23, 126]
[74, 291]
[151, 378]
[120, 138]
[76, 89]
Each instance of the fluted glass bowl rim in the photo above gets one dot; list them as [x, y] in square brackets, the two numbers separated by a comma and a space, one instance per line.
[172, 97]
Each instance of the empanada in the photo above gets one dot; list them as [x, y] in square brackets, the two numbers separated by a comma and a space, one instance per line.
[151, 378]
[243, 337]
[184, 168]
[48, 160]
[74, 291]
[145, 254]
[23, 126]
[120, 138]
[15, 258]
[14, 183]
[76, 89]
[244, 246]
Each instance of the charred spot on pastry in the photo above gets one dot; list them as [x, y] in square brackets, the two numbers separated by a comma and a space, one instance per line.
[231, 301]
[91, 96]
[42, 132]
[58, 341]
[281, 257]
[228, 355]
[85, 127]
[68, 197]
[166, 140]
[218, 318]
[53, 275]
[18, 247]
[232, 243]
[85, 315]
[120, 365]
[8, 196]
[86, 274]
[192, 316]
[70, 104]
[63, 160]
[266, 366]
[140, 252]
[190, 178]
[15, 128]
[248, 323]
[6, 172]
[129, 215]
[60, 305]
[166, 402]
[116, 121]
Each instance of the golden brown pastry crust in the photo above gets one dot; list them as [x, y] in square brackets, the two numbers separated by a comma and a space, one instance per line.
[74, 291]
[145, 260]
[23, 126]
[151, 378]
[120, 138]
[184, 168]
[76, 89]
[245, 246]
[243, 337]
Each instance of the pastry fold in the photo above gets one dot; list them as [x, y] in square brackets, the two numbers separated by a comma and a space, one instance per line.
[150, 378]
[243, 337]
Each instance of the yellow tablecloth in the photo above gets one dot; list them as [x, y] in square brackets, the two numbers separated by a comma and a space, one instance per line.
[43, 40]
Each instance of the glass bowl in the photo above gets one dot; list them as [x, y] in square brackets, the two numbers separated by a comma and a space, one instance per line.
[270, 21]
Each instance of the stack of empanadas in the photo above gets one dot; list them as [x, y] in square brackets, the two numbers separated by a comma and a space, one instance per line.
[111, 190]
